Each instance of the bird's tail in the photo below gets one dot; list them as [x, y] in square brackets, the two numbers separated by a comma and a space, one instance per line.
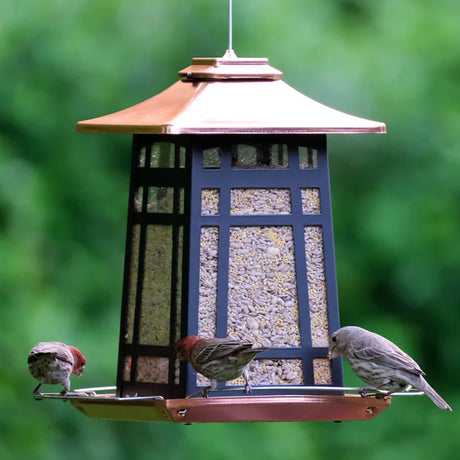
[426, 388]
[250, 353]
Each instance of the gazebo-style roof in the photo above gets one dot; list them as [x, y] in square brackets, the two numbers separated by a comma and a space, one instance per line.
[230, 96]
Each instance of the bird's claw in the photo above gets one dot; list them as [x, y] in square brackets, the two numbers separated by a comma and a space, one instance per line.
[364, 391]
[369, 391]
[247, 389]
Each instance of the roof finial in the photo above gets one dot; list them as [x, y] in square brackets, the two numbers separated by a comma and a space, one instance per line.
[230, 54]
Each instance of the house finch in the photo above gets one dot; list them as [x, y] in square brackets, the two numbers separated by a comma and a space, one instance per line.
[218, 359]
[53, 362]
[380, 363]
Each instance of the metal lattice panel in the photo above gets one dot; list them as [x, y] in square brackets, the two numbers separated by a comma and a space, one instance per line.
[271, 168]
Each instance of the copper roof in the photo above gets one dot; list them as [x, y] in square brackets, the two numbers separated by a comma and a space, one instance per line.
[230, 96]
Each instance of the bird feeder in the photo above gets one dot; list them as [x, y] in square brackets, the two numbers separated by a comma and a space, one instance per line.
[229, 233]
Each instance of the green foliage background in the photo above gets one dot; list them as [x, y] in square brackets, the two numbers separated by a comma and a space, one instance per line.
[63, 197]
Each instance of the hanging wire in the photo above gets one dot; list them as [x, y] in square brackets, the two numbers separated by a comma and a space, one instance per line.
[230, 27]
[230, 54]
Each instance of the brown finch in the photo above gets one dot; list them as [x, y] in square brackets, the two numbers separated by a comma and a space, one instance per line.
[380, 363]
[53, 362]
[218, 359]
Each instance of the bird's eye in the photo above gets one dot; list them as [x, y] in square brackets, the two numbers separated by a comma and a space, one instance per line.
[334, 339]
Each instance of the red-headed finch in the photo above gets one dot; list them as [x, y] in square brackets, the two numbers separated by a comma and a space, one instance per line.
[53, 362]
[380, 363]
[218, 359]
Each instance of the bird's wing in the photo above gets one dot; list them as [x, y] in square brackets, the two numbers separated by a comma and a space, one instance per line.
[50, 351]
[219, 350]
[386, 353]
[42, 356]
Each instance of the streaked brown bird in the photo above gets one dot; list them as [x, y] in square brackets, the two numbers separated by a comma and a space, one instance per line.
[54, 362]
[218, 359]
[380, 363]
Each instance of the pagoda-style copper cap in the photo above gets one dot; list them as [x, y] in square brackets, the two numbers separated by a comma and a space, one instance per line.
[230, 96]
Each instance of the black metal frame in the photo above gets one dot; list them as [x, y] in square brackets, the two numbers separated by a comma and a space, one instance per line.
[159, 177]
[293, 178]
[193, 179]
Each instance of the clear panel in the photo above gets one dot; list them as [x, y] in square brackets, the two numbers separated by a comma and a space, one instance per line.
[156, 294]
[127, 369]
[322, 371]
[177, 371]
[162, 155]
[179, 258]
[317, 294]
[149, 369]
[138, 199]
[311, 203]
[132, 283]
[141, 158]
[152, 369]
[267, 372]
[260, 155]
[211, 158]
[210, 201]
[202, 381]
[273, 372]
[182, 157]
[308, 157]
[181, 201]
[262, 288]
[208, 282]
[161, 200]
[251, 201]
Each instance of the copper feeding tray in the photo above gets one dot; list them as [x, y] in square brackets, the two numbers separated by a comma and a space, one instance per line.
[293, 408]
[234, 409]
